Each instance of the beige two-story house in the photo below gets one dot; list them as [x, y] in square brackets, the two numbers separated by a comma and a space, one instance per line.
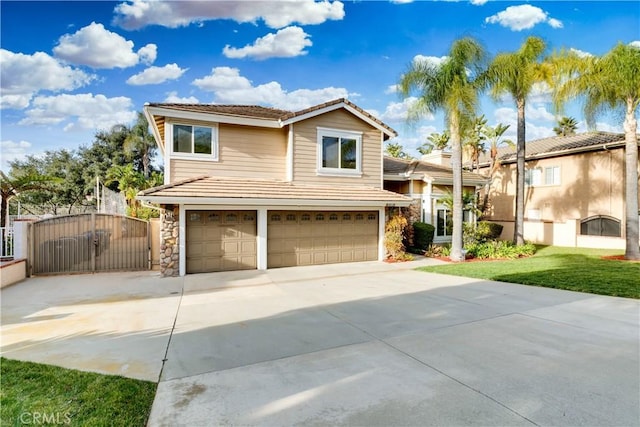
[574, 190]
[250, 187]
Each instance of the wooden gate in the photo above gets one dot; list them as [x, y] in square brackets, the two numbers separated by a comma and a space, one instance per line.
[89, 243]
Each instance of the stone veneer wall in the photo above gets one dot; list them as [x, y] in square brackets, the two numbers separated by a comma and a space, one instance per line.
[169, 249]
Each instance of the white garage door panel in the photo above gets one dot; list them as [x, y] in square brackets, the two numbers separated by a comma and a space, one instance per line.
[321, 237]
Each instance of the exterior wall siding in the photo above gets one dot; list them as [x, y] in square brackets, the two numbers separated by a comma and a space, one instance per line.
[305, 150]
[590, 184]
[244, 151]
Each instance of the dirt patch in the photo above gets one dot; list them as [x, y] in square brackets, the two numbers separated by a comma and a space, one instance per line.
[618, 258]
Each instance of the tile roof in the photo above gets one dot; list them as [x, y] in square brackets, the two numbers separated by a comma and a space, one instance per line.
[438, 173]
[207, 187]
[559, 145]
[254, 111]
[259, 112]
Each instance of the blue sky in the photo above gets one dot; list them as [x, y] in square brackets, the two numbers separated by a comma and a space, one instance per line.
[70, 68]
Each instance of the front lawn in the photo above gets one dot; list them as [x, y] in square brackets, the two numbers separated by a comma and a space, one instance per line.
[574, 269]
[35, 394]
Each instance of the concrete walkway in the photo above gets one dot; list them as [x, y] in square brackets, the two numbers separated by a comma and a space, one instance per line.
[357, 344]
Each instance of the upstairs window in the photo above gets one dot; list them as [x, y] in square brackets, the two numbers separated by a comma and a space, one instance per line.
[195, 141]
[538, 176]
[339, 152]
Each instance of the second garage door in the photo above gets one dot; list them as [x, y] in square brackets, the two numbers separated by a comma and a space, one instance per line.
[326, 237]
[220, 241]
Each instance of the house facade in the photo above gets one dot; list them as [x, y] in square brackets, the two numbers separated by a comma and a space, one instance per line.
[574, 190]
[249, 187]
[428, 183]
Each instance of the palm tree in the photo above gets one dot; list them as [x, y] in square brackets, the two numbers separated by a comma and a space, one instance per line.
[139, 141]
[435, 141]
[516, 73]
[609, 82]
[566, 126]
[395, 149]
[450, 87]
[494, 136]
[473, 143]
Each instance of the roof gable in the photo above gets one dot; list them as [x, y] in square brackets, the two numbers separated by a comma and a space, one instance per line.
[438, 174]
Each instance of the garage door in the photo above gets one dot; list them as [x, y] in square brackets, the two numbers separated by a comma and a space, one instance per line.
[328, 237]
[220, 241]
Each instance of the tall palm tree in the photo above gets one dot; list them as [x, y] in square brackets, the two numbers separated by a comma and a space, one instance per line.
[450, 87]
[609, 82]
[139, 141]
[566, 126]
[515, 73]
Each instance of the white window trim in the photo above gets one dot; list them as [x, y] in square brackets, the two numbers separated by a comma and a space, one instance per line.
[543, 176]
[338, 133]
[213, 157]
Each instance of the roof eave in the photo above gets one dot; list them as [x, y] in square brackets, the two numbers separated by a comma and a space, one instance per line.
[404, 201]
[215, 117]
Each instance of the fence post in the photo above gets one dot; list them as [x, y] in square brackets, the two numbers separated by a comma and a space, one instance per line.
[20, 239]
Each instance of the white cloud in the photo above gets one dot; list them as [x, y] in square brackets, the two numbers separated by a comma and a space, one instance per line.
[415, 139]
[478, 2]
[580, 53]
[539, 113]
[11, 151]
[399, 111]
[401, 1]
[230, 87]
[509, 116]
[25, 75]
[82, 111]
[523, 17]
[607, 127]
[173, 98]
[635, 43]
[148, 54]
[156, 75]
[98, 47]
[433, 60]
[286, 43]
[135, 14]
[391, 89]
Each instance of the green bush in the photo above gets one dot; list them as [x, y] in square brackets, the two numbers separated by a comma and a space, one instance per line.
[498, 249]
[480, 232]
[423, 235]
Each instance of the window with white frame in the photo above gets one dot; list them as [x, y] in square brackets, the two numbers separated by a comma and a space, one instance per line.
[444, 221]
[539, 176]
[194, 141]
[552, 175]
[339, 152]
[533, 177]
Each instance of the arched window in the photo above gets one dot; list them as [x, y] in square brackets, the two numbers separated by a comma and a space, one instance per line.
[600, 225]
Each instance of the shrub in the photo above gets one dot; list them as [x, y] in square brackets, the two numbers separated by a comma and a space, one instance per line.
[499, 250]
[393, 238]
[481, 232]
[423, 235]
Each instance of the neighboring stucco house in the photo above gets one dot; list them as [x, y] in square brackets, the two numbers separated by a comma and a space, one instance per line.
[427, 182]
[574, 191]
[249, 187]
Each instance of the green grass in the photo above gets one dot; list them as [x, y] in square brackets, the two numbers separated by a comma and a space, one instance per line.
[574, 269]
[31, 393]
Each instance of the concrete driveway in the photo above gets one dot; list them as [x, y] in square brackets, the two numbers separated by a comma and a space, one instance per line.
[358, 344]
